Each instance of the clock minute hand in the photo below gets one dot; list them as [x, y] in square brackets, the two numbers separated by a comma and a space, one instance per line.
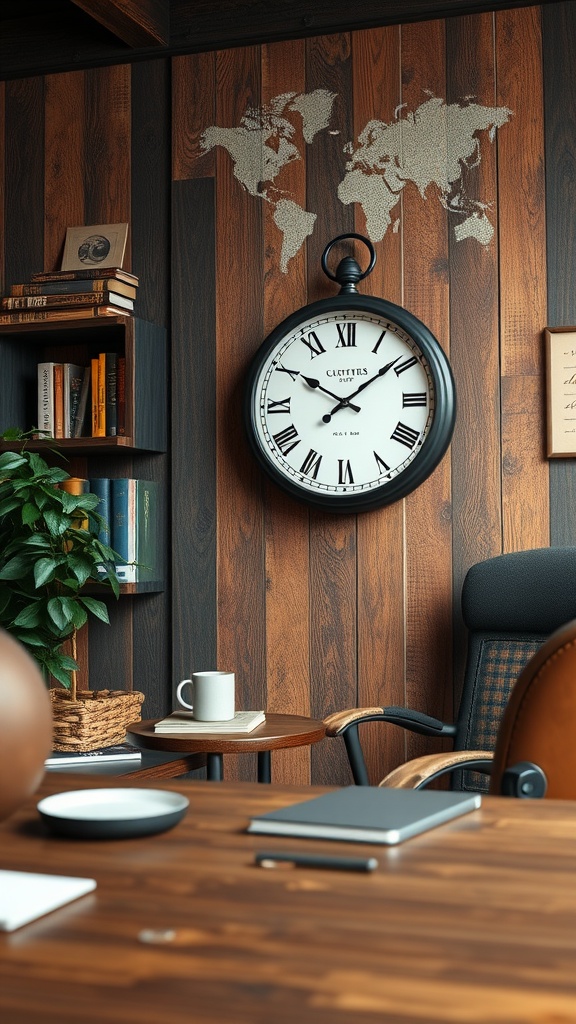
[346, 401]
[313, 383]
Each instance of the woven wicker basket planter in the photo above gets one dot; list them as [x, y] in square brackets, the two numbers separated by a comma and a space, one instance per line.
[93, 718]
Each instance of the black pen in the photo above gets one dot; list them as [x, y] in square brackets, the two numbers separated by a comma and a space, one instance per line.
[315, 860]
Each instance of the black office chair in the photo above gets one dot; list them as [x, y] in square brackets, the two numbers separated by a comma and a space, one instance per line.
[535, 752]
[510, 606]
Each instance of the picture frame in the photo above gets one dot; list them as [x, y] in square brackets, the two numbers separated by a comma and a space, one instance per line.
[561, 391]
[94, 246]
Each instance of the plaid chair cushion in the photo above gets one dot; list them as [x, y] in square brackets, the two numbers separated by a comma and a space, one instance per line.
[498, 664]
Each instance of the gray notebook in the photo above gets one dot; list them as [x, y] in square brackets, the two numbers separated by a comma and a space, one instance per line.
[367, 814]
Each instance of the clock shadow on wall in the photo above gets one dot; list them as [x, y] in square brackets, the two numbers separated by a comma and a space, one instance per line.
[350, 402]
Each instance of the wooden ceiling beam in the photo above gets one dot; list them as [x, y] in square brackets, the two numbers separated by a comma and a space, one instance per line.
[136, 22]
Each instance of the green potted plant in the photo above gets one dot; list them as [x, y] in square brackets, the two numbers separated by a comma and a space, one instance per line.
[50, 553]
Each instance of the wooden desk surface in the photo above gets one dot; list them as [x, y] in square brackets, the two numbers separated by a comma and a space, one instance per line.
[474, 921]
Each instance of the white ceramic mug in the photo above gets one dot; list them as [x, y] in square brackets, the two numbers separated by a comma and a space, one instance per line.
[212, 696]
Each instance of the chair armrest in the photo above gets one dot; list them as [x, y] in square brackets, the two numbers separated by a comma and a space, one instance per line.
[420, 770]
[415, 721]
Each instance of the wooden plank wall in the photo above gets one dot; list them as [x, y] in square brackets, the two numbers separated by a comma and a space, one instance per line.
[316, 612]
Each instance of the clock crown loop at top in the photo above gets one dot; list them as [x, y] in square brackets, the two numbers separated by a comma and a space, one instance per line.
[348, 271]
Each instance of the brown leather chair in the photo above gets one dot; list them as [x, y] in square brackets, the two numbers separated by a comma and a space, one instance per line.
[535, 752]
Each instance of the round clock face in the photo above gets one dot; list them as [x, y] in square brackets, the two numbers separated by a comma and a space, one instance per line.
[350, 403]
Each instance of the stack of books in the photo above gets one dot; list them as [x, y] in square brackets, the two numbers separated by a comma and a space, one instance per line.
[130, 510]
[70, 295]
[83, 401]
[183, 722]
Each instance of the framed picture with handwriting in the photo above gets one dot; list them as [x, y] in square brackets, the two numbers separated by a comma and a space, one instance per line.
[561, 391]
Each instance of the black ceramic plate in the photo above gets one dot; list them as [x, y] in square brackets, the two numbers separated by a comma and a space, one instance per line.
[112, 813]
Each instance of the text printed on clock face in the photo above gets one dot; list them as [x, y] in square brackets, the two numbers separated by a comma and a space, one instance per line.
[345, 402]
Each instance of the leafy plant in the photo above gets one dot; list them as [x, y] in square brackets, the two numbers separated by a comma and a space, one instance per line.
[47, 557]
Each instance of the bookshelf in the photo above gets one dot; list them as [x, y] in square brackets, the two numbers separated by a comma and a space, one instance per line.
[24, 346]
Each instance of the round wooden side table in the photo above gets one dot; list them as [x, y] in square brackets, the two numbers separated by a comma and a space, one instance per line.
[277, 732]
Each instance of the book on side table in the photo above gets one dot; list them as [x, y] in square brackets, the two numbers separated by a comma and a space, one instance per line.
[116, 752]
[367, 814]
[183, 722]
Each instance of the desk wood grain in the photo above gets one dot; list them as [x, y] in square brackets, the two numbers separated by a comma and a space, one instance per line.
[474, 921]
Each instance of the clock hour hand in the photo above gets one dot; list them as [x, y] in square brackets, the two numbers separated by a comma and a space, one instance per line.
[313, 383]
[346, 401]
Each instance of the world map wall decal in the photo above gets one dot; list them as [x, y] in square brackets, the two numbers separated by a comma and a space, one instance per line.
[433, 145]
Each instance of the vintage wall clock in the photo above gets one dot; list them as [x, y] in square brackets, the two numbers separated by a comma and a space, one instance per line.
[350, 402]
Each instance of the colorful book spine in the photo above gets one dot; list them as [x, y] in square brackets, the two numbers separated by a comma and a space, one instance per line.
[85, 275]
[119, 518]
[58, 400]
[111, 393]
[94, 396]
[65, 300]
[105, 284]
[100, 486]
[101, 414]
[121, 395]
[134, 529]
[46, 398]
[73, 378]
[79, 427]
[76, 485]
[36, 316]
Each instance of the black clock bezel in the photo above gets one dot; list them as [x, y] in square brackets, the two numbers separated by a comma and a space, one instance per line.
[434, 445]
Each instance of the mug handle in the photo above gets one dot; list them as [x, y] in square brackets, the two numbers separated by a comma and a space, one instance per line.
[179, 698]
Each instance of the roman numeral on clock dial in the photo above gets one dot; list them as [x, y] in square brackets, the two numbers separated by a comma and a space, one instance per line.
[345, 472]
[281, 406]
[287, 439]
[314, 344]
[346, 335]
[413, 398]
[311, 464]
[405, 435]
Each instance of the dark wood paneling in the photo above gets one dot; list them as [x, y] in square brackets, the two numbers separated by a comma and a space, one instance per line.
[239, 331]
[559, 42]
[24, 179]
[525, 498]
[193, 479]
[428, 510]
[333, 597]
[286, 521]
[64, 172]
[107, 166]
[477, 517]
[150, 188]
[193, 109]
[37, 40]
[381, 590]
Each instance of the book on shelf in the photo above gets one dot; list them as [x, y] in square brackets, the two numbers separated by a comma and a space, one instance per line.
[184, 722]
[100, 286]
[72, 382]
[367, 814]
[111, 393]
[134, 529]
[33, 316]
[86, 275]
[116, 752]
[100, 486]
[67, 300]
[76, 485]
[79, 425]
[121, 395]
[58, 400]
[46, 398]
